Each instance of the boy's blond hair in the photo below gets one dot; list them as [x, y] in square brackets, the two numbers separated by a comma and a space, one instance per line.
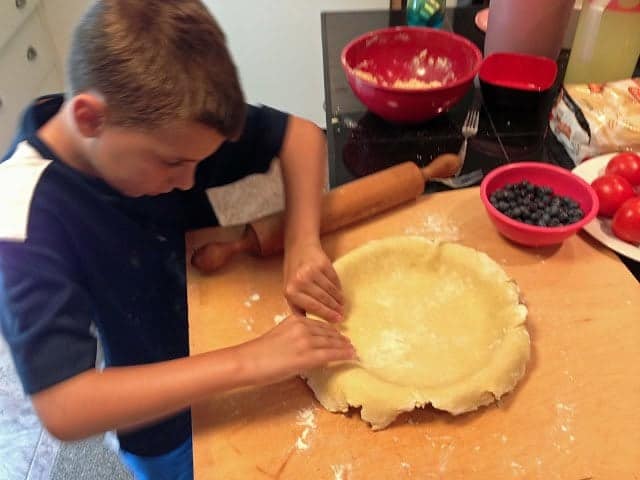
[156, 61]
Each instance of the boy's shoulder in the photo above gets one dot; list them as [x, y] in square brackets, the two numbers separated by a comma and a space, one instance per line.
[20, 175]
[23, 169]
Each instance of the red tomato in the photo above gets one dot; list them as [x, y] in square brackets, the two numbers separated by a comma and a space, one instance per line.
[626, 221]
[612, 191]
[627, 165]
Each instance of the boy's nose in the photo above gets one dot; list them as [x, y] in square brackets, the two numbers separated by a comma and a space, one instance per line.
[187, 179]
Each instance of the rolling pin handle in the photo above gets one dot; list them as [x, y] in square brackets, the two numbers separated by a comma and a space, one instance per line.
[214, 255]
[443, 166]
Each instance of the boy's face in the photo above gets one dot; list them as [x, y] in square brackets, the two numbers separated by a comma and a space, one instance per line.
[140, 163]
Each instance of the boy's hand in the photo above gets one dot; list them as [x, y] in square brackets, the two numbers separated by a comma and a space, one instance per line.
[295, 345]
[311, 285]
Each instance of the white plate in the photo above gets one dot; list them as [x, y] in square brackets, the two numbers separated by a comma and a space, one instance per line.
[600, 228]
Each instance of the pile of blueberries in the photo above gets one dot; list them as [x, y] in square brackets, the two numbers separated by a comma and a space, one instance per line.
[536, 205]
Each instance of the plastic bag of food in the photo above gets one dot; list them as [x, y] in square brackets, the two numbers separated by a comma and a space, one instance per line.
[597, 118]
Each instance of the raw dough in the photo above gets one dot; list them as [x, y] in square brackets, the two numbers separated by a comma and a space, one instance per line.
[436, 323]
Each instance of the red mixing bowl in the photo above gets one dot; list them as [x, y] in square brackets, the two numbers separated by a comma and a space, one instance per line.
[410, 74]
[563, 183]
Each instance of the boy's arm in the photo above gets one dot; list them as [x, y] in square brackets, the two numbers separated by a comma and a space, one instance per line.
[303, 157]
[128, 397]
[311, 283]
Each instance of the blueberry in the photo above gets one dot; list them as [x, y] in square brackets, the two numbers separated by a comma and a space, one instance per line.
[575, 217]
[535, 204]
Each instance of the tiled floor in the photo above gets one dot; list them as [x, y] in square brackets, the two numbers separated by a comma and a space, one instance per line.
[27, 452]
[88, 460]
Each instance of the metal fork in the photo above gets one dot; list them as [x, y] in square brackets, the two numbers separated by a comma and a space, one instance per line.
[469, 129]
[461, 181]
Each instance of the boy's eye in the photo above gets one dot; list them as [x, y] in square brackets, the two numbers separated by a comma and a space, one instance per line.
[174, 163]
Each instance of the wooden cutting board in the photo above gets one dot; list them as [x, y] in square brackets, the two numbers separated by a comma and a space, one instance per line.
[575, 415]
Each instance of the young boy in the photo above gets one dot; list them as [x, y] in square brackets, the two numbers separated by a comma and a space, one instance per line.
[95, 197]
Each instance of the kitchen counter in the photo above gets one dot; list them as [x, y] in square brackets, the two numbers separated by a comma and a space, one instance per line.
[574, 415]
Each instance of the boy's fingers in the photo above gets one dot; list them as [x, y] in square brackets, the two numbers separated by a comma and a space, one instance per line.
[313, 326]
[325, 283]
[313, 306]
[328, 332]
[330, 342]
[334, 354]
[316, 292]
[332, 275]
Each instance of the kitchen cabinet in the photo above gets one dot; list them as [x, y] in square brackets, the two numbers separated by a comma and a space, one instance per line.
[27, 63]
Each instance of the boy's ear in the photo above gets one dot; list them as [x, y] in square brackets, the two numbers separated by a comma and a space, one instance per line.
[89, 112]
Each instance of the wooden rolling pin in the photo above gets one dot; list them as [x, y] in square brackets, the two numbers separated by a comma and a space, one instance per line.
[341, 206]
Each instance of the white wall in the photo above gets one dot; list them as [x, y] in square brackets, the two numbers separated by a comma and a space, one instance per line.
[277, 45]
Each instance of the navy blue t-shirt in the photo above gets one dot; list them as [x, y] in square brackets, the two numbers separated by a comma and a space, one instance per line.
[75, 253]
